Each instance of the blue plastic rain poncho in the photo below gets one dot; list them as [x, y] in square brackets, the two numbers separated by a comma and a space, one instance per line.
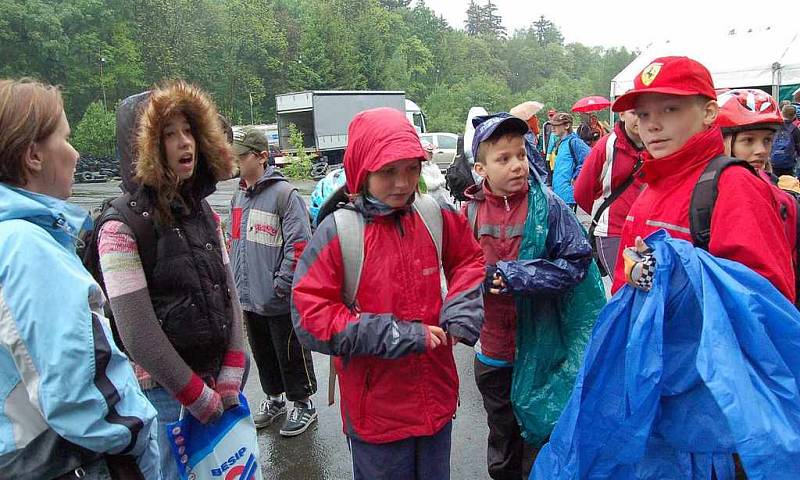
[677, 379]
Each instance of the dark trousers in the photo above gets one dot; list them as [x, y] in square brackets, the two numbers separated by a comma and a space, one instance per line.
[284, 365]
[607, 252]
[509, 457]
[415, 458]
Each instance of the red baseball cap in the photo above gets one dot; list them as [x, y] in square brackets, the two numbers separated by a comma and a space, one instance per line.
[671, 76]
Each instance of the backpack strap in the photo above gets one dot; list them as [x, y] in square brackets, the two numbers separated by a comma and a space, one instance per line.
[350, 228]
[472, 217]
[284, 194]
[704, 196]
[572, 154]
[431, 214]
[612, 139]
[615, 194]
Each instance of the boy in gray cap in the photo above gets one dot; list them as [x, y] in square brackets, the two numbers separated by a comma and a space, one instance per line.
[269, 229]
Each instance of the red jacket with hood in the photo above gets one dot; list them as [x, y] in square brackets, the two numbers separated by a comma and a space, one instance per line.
[600, 176]
[500, 223]
[392, 387]
[745, 225]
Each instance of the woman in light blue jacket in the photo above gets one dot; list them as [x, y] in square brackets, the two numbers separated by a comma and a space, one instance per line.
[70, 405]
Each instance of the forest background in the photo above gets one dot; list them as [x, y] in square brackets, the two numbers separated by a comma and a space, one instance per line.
[244, 52]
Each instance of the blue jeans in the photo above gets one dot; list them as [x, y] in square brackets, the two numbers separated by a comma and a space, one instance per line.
[415, 458]
[169, 410]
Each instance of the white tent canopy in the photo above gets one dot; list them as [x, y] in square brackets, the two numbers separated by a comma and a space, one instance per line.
[753, 58]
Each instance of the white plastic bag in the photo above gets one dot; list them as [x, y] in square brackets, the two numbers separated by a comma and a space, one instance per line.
[224, 449]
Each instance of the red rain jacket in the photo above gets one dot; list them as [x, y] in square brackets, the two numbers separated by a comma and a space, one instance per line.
[745, 225]
[600, 176]
[391, 387]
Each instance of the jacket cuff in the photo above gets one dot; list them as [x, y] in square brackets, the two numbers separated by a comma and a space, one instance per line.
[191, 391]
[281, 287]
[234, 359]
[420, 334]
[456, 330]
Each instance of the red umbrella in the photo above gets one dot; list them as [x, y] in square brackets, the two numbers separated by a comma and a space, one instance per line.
[591, 104]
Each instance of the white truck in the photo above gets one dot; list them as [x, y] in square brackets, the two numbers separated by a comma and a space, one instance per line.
[322, 116]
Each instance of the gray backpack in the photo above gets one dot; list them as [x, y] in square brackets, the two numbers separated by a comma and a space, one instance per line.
[350, 228]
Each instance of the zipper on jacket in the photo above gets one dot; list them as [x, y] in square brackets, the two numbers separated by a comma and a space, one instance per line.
[505, 199]
[178, 232]
[365, 392]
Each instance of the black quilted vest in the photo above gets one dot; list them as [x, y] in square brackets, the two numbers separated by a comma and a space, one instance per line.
[187, 284]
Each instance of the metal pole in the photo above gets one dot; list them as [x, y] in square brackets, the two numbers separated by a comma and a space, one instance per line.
[252, 122]
[102, 83]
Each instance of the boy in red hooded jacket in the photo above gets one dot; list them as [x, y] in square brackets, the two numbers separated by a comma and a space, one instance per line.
[393, 345]
[675, 101]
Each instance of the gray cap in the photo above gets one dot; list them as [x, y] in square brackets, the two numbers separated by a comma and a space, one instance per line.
[252, 140]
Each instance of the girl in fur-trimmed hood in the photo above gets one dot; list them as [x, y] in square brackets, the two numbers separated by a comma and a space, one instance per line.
[163, 261]
[194, 169]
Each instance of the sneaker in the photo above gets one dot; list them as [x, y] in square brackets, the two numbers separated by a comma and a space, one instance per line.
[298, 421]
[268, 412]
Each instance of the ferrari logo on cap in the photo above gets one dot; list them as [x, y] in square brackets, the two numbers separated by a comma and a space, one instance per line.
[649, 74]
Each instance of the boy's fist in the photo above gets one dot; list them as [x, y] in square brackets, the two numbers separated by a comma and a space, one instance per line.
[640, 265]
[498, 284]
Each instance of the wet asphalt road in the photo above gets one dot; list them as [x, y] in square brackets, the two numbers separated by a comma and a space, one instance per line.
[321, 453]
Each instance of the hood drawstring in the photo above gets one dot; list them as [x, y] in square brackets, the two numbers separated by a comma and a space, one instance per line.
[62, 224]
[398, 220]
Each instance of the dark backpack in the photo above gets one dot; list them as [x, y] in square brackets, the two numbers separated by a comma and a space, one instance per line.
[784, 154]
[704, 196]
[458, 177]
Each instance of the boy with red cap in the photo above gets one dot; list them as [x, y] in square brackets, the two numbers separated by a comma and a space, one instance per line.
[675, 101]
[392, 332]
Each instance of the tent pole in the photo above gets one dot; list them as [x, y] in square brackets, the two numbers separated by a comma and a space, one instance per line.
[776, 80]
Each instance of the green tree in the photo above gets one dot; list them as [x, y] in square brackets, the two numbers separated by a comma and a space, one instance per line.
[95, 133]
[239, 50]
[474, 22]
[408, 67]
[395, 4]
[301, 164]
[494, 22]
[483, 20]
[546, 32]
[447, 106]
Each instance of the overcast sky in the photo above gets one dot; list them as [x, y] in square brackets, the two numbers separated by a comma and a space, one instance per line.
[597, 22]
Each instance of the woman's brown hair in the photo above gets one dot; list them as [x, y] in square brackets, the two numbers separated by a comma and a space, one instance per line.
[29, 112]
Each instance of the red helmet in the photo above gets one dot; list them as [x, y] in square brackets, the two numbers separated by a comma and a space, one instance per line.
[748, 109]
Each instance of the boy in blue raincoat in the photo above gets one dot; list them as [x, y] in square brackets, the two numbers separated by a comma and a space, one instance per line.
[542, 294]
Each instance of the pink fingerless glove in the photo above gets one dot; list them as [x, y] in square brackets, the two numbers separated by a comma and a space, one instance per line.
[229, 380]
[201, 400]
